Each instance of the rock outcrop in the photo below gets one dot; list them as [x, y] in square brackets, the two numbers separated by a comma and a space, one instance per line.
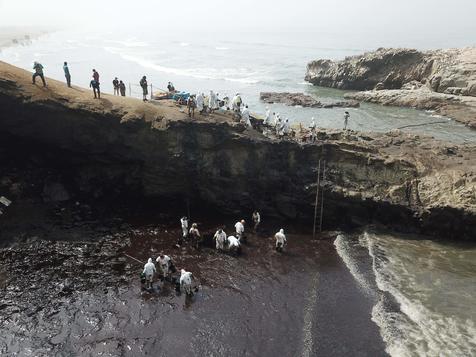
[123, 147]
[418, 75]
[303, 100]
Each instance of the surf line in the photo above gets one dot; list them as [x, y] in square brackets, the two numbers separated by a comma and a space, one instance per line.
[311, 303]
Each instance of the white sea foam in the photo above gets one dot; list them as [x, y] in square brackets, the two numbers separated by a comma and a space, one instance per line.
[130, 43]
[432, 320]
[200, 73]
[345, 250]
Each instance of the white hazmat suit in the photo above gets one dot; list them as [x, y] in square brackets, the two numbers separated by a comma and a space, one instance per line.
[213, 105]
[184, 223]
[233, 244]
[220, 238]
[164, 263]
[245, 116]
[236, 102]
[267, 118]
[240, 230]
[280, 239]
[149, 271]
[200, 102]
[186, 281]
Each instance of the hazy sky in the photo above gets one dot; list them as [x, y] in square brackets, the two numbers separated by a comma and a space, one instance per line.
[385, 15]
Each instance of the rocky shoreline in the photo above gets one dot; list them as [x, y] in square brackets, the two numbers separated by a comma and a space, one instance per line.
[440, 80]
[125, 148]
[304, 100]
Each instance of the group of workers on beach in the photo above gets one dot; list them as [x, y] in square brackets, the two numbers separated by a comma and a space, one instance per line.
[272, 123]
[223, 243]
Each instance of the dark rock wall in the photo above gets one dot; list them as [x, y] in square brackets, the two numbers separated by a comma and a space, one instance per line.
[209, 165]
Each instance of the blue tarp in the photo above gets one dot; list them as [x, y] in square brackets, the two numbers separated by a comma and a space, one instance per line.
[181, 95]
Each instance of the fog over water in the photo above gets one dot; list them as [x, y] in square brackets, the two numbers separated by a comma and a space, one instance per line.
[390, 22]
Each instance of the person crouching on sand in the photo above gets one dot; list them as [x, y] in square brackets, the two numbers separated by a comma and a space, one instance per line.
[38, 67]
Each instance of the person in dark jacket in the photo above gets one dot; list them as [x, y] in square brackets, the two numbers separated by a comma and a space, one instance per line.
[96, 90]
[122, 88]
[115, 84]
[144, 86]
[38, 73]
[67, 74]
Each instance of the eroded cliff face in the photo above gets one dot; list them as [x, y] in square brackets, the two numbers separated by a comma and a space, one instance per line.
[214, 162]
[441, 80]
[443, 71]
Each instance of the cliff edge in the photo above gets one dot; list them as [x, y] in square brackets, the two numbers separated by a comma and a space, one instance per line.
[121, 147]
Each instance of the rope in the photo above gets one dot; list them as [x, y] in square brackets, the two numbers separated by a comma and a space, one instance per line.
[137, 260]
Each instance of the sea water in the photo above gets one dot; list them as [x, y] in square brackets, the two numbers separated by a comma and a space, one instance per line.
[423, 291]
[228, 63]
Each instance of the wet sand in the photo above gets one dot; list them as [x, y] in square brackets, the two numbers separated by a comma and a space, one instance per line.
[303, 302]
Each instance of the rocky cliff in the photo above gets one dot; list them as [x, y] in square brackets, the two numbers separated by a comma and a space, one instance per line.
[417, 75]
[122, 147]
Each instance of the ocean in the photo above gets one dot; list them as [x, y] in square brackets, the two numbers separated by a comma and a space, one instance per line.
[228, 63]
[423, 291]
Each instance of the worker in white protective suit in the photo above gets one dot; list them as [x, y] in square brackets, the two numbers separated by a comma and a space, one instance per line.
[312, 128]
[233, 244]
[184, 224]
[236, 103]
[267, 117]
[164, 262]
[287, 127]
[276, 120]
[186, 281]
[149, 271]
[200, 102]
[278, 125]
[245, 117]
[346, 120]
[212, 105]
[240, 229]
[220, 239]
[256, 219]
[280, 240]
[195, 235]
[281, 127]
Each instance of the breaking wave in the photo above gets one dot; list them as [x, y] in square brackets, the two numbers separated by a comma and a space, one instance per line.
[239, 75]
[424, 291]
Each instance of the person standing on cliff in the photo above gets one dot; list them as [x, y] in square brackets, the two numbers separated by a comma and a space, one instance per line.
[95, 86]
[312, 128]
[96, 75]
[346, 120]
[122, 88]
[115, 84]
[144, 86]
[191, 104]
[38, 67]
[67, 74]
